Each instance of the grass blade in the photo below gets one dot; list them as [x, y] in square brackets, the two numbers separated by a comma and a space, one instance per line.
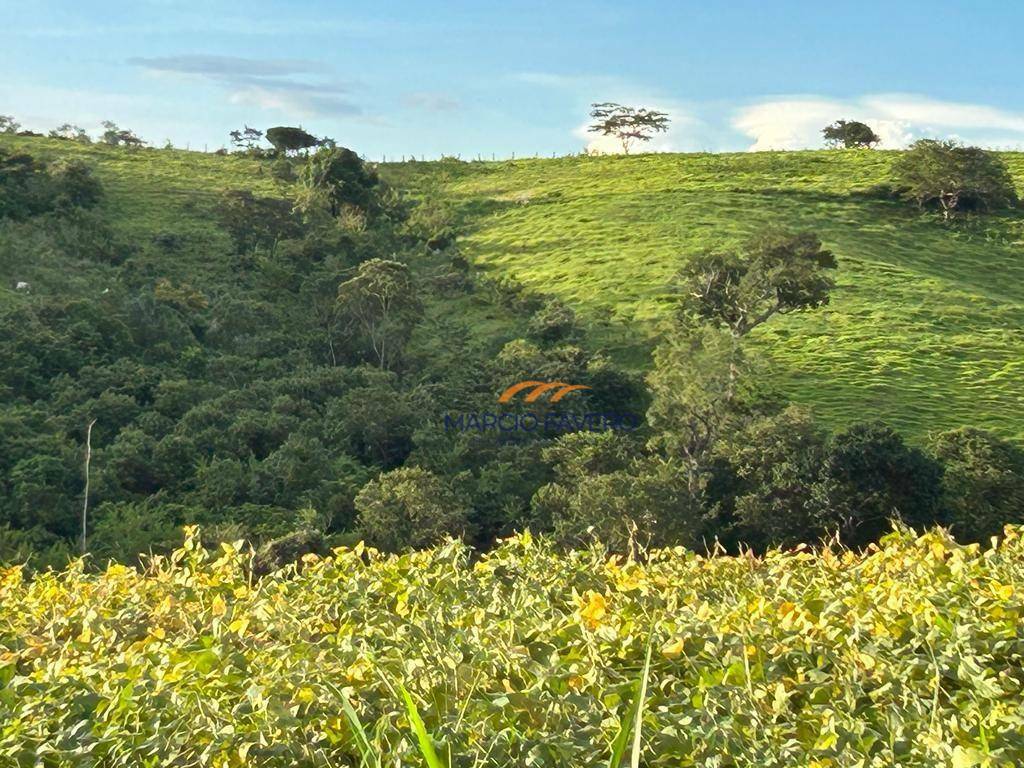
[632, 723]
[638, 714]
[369, 757]
[422, 737]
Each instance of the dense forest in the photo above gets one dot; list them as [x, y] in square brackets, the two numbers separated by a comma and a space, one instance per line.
[278, 355]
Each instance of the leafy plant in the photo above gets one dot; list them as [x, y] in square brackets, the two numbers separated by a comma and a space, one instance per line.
[904, 655]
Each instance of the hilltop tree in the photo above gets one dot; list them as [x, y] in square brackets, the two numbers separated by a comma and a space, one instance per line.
[337, 177]
[116, 136]
[776, 272]
[627, 124]
[849, 134]
[71, 133]
[8, 124]
[954, 177]
[289, 139]
[247, 139]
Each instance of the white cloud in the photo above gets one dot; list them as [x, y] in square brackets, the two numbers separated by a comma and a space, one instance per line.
[295, 87]
[899, 119]
[787, 124]
[429, 101]
[924, 111]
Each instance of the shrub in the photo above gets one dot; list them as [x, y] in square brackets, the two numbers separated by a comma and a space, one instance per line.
[29, 188]
[123, 531]
[256, 222]
[605, 491]
[24, 186]
[283, 170]
[983, 482]
[777, 463]
[74, 185]
[954, 177]
[553, 322]
[337, 177]
[409, 507]
[869, 477]
[288, 550]
[70, 132]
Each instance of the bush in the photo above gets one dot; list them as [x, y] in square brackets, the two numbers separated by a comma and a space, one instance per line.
[123, 531]
[409, 507]
[74, 185]
[776, 463]
[256, 222]
[24, 186]
[983, 482]
[954, 177]
[29, 188]
[337, 177]
[605, 491]
[553, 322]
[288, 550]
[870, 477]
[283, 170]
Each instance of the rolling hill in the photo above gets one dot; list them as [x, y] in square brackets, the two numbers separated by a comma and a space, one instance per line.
[924, 330]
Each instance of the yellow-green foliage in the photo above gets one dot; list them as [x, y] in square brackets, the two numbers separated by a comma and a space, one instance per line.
[909, 655]
[925, 328]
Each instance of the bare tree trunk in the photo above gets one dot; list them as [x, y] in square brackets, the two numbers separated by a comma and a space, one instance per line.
[85, 502]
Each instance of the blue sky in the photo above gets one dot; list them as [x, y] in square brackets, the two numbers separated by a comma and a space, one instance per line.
[399, 77]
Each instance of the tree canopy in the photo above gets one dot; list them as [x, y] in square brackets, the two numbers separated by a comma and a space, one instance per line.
[953, 177]
[290, 139]
[849, 134]
[627, 124]
[775, 272]
[337, 177]
[116, 136]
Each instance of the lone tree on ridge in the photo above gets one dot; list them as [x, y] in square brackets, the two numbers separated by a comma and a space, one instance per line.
[627, 124]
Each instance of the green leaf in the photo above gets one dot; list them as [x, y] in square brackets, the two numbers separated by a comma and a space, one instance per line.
[422, 737]
[633, 721]
[966, 758]
[369, 757]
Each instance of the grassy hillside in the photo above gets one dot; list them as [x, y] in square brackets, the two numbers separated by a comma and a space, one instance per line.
[909, 655]
[926, 329]
[147, 193]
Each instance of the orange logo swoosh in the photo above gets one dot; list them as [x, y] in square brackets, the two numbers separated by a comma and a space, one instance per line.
[538, 388]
